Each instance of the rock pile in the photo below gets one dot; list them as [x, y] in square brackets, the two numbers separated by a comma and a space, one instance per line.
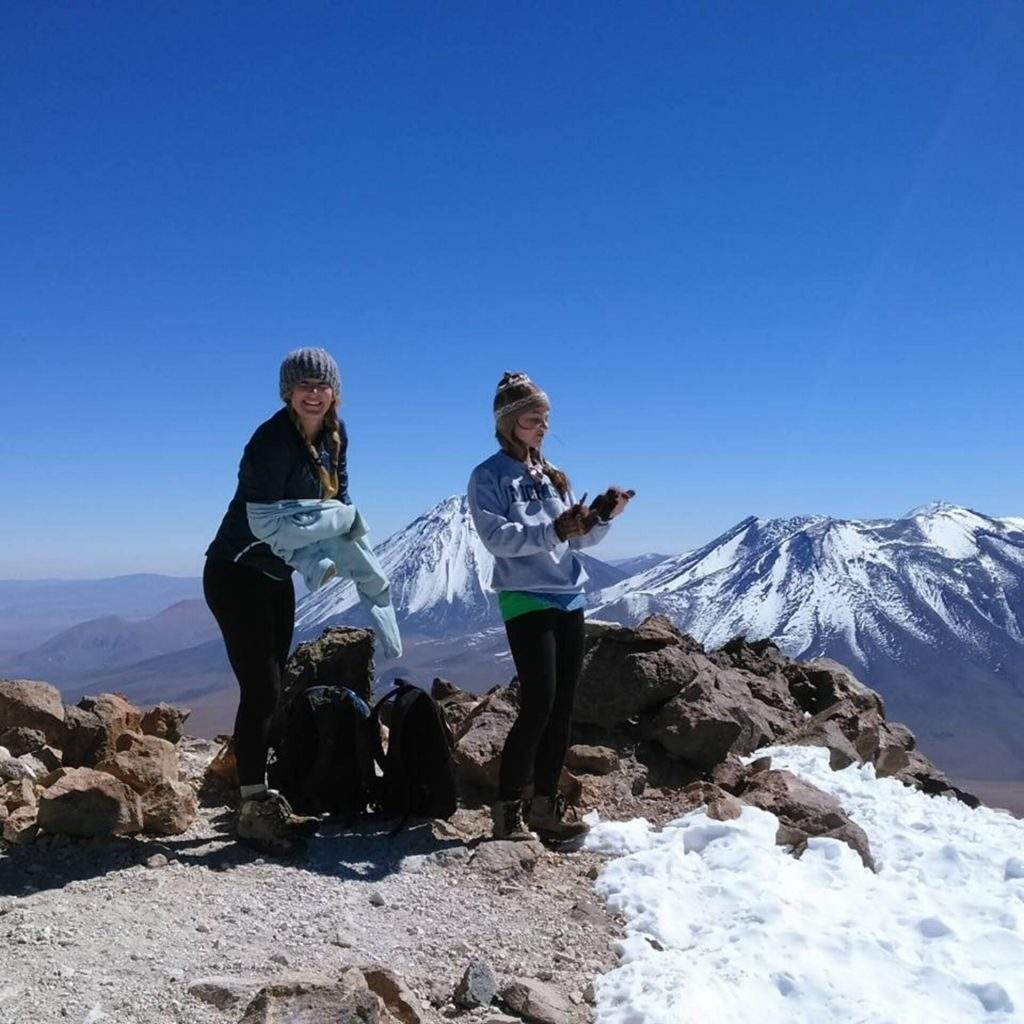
[657, 716]
[98, 768]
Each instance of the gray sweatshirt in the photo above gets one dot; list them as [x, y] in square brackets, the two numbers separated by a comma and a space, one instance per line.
[514, 516]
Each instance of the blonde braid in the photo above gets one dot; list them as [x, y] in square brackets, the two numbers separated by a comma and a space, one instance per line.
[328, 480]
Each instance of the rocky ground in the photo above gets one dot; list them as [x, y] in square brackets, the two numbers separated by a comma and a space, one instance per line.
[133, 930]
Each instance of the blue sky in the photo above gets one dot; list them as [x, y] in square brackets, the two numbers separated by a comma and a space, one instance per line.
[765, 258]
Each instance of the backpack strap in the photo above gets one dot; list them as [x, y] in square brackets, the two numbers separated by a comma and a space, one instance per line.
[376, 747]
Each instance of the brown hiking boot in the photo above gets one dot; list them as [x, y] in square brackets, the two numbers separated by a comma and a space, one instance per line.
[507, 818]
[271, 826]
[547, 819]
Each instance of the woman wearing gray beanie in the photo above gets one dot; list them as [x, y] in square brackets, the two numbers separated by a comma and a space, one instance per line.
[300, 452]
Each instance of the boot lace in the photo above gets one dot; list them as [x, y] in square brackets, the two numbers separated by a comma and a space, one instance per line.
[514, 817]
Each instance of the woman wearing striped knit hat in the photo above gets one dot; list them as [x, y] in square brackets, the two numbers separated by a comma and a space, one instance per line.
[528, 518]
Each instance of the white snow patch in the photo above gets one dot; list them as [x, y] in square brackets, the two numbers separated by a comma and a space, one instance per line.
[725, 926]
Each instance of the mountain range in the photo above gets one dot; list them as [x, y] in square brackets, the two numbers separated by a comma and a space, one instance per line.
[927, 608]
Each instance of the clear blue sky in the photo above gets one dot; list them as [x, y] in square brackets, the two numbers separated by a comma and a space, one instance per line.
[766, 258]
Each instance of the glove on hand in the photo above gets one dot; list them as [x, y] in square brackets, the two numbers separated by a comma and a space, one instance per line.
[573, 522]
[604, 504]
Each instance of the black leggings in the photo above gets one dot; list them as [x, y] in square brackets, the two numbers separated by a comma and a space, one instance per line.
[547, 648]
[256, 615]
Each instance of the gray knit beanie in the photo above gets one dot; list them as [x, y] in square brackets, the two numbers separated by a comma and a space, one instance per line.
[309, 364]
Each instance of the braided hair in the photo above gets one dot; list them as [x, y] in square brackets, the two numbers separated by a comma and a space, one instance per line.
[328, 479]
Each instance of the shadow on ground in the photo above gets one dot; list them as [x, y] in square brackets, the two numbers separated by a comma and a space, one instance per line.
[367, 852]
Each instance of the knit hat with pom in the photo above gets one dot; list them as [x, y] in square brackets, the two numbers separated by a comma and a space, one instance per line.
[516, 392]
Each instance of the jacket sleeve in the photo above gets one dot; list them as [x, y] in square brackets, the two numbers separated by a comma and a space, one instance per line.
[263, 471]
[500, 535]
[343, 465]
[588, 540]
[289, 525]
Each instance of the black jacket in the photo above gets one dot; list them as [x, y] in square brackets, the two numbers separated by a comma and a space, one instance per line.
[275, 466]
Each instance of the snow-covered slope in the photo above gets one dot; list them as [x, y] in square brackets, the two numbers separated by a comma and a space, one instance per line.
[928, 608]
[439, 572]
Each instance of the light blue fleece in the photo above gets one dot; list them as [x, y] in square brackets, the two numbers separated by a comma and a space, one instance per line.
[514, 516]
[308, 532]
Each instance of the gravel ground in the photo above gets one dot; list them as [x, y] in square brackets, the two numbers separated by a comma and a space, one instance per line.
[120, 930]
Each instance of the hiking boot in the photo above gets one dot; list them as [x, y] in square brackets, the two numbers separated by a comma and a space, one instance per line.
[270, 824]
[547, 818]
[507, 817]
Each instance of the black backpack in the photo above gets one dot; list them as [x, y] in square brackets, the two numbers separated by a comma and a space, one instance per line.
[419, 773]
[324, 759]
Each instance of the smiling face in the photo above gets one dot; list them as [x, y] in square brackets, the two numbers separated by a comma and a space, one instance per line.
[531, 425]
[311, 399]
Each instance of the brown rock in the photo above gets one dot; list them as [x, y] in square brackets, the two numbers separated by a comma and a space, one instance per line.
[504, 856]
[142, 761]
[805, 808]
[22, 740]
[84, 739]
[537, 1001]
[34, 705]
[400, 1002]
[117, 716]
[478, 746]
[86, 802]
[722, 711]
[224, 767]
[20, 825]
[21, 793]
[629, 671]
[165, 721]
[316, 1001]
[340, 656]
[595, 760]
[169, 807]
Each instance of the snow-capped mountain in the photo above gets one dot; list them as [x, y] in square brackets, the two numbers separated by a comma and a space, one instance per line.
[927, 608]
[638, 563]
[439, 572]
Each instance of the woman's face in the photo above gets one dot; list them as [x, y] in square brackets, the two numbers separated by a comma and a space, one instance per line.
[311, 398]
[532, 425]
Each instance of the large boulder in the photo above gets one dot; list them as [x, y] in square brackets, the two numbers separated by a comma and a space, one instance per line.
[85, 737]
[165, 721]
[141, 761]
[340, 656]
[627, 671]
[722, 711]
[168, 808]
[35, 705]
[86, 802]
[117, 716]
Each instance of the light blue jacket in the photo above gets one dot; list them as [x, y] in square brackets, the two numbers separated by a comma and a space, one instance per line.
[303, 531]
[515, 517]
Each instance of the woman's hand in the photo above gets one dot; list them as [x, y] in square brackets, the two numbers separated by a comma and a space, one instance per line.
[611, 503]
[573, 522]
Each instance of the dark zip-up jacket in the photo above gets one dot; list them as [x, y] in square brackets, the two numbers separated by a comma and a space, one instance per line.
[275, 466]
